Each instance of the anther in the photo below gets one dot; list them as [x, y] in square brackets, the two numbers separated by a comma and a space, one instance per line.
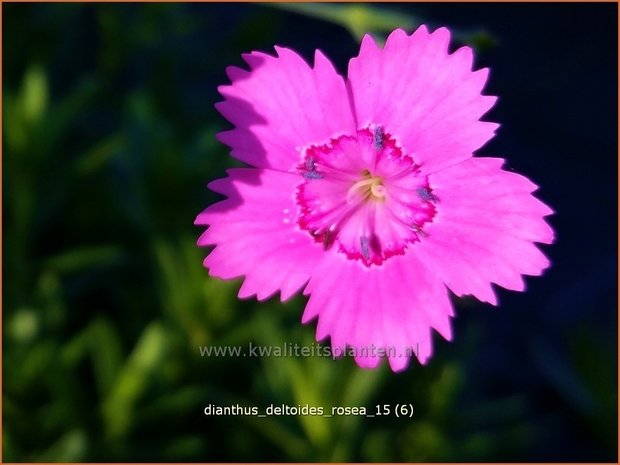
[365, 246]
[313, 175]
[377, 138]
[328, 239]
[426, 195]
[418, 230]
[310, 165]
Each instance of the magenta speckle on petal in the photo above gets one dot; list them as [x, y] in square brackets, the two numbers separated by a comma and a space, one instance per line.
[376, 214]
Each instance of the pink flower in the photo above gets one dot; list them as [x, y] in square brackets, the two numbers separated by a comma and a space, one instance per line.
[365, 193]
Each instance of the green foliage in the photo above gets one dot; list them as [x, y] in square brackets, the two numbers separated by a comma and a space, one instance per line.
[376, 19]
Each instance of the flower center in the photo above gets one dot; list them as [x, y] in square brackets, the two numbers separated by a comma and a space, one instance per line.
[369, 188]
[362, 196]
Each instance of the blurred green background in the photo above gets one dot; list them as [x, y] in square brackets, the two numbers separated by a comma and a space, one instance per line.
[108, 144]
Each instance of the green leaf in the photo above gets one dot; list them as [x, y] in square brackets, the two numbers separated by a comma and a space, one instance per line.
[99, 155]
[134, 380]
[358, 19]
[82, 258]
[106, 352]
[71, 447]
[34, 95]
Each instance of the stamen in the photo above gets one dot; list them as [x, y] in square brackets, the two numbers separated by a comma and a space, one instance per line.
[367, 187]
[426, 195]
[365, 247]
[313, 175]
[311, 172]
[377, 138]
[328, 239]
[378, 190]
[418, 230]
[310, 164]
[353, 190]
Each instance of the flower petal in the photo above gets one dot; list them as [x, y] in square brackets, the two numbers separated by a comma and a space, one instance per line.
[256, 233]
[282, 105]
[486, 224]
[429, 100]
[387, 310]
